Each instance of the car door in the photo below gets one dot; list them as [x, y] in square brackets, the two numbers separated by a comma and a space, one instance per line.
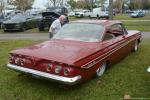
[29, 21]
[119, 47]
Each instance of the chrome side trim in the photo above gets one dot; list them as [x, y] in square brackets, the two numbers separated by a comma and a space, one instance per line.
[61, 79]
[105, 55]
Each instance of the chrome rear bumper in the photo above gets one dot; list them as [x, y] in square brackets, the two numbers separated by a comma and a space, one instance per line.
[61, 79]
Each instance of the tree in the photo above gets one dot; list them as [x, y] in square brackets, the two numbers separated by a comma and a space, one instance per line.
[116, 5]
[53, 2]
[145, 4]
[111, 9]
[56, 2]
[138, 4]
[133, 5]
[120, 5]
[90, 4]
[102, 2]
[72, 3]
[22, 4]
[2, 6]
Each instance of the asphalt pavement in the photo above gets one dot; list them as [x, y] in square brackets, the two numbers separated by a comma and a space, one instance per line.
[39, 36]
[24, 36]
[135, 20]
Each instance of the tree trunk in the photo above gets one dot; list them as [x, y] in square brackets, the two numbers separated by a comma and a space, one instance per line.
[121, 6]
[54, 3]
[110, 9]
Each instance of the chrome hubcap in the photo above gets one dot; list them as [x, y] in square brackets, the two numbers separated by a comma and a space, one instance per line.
[100, 71]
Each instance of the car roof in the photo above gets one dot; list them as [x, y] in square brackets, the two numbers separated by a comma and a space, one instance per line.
[103, 22]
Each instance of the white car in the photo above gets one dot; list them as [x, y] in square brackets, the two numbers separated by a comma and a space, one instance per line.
[98, 13]
[82, 13]
[71, 14]
[137, 14]
[79, 14]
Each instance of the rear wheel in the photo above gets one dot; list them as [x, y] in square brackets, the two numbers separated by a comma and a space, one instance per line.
[5, 31]
[41, 28]
[98, 17]
[90, 16]
[100, 71]
[22, 29]
[81, 15]
[107, 17]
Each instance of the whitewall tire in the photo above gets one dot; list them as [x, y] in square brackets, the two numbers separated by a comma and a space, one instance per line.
[100, 71]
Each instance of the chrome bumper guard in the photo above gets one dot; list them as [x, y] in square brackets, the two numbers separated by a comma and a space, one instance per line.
[61, 79]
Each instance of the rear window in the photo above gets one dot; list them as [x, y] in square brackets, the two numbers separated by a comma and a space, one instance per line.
[80, 32]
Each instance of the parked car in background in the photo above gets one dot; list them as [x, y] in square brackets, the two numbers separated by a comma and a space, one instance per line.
[20, 22]
[129, 11]
[98, 13]
[71, 14]
[79, 14]
[50, 15]
[82, 13]
[80, 50]
[5, 16]
[86, 13]
[136, 14]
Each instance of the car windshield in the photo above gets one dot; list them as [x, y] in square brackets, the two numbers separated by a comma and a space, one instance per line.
[19, 17]
[80, 32]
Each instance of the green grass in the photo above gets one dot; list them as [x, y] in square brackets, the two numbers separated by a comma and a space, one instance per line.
[127, 77]
[127, 17]
[142, 25]
[135, 25]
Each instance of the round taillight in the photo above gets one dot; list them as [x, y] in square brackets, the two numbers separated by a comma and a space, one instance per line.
[11, 58]
[49, 67]
[17, 61]
[22, 62]
[66, 71]
[58, 69]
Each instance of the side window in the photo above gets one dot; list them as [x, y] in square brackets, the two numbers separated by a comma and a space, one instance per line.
[108, 36]
[114, 31]
[117, 29]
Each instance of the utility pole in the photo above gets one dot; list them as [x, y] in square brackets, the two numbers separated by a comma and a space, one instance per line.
[110, 9]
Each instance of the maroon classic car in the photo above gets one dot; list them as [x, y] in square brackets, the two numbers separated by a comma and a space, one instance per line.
[80, 50]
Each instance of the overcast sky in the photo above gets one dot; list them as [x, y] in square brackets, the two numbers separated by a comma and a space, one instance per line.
[42, 3]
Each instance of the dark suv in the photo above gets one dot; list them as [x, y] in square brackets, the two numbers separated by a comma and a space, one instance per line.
[50, 15]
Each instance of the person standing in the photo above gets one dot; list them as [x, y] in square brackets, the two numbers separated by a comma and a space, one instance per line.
[56, 25]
